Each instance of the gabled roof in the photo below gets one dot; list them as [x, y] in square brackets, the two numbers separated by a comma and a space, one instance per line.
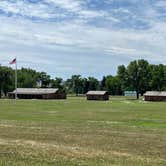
[35, 90]
[155, 93]
[96, 92]
[163, 93]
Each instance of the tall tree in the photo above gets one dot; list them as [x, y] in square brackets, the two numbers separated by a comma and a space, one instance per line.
[158, 77]
[138, 74]
[58, 83]
[6, 80]
[93, 83]
[123, 77]
[75, 84]
[103, 83]
[45, 79]
[27, 78]
[85, 85]
[113, 85]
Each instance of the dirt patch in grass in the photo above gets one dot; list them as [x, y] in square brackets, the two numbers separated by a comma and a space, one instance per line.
[74, 151]
[67, 150]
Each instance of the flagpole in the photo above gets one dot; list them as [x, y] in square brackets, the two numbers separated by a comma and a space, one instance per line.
[14, 61]
[16, 80]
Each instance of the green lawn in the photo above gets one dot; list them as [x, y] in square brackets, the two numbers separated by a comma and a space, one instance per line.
[79, 132]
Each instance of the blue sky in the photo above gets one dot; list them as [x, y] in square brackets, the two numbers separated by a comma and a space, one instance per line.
[87, 37]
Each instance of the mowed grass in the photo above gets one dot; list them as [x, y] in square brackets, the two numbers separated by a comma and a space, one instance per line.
[79, 132]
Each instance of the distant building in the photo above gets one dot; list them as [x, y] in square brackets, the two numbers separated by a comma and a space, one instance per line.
[37, 93]
[97, 95]
[155, 96]
[130, 93]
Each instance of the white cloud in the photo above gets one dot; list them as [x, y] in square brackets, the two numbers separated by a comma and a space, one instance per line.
[52, 9]
[78, 37]
[160, 3]
[29, 10]
[70, 5]
[73, 46]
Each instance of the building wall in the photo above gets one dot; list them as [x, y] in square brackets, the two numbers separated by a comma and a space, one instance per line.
[25, 96]
[58, 95]
[98, 97]
[155, 98]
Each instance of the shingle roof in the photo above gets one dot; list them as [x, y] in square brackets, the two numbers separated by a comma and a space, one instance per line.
[155, 93]
[35, 90]
[96, 92]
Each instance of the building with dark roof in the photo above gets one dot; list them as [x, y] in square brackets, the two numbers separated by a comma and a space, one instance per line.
[97, 95]
[37, 93]
[155, 96]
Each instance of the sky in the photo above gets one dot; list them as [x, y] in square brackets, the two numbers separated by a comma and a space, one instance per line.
[87, 37]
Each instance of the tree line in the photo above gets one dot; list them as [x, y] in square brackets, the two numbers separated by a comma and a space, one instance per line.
[139, 76]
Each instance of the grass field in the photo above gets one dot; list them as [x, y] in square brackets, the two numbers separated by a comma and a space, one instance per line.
[79, 132]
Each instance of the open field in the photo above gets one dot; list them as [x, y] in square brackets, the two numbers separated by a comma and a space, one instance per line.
[79, 132]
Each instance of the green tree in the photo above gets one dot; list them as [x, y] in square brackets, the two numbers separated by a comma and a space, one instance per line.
[138, 76]
[93, 83]
[75, 84]
[123, 77]
[158, 77]
[85, 83]
[45, 79]
[103, 83]
[6, 80]
[113, 85]
[58, 83]
[27, 78]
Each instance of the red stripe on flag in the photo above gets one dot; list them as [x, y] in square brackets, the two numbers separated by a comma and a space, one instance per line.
[13, 61]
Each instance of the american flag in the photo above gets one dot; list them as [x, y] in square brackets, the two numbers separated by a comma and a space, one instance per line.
[13, 61]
